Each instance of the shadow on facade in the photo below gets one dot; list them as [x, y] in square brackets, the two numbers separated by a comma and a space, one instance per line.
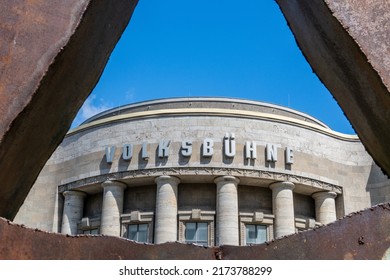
[378, 185]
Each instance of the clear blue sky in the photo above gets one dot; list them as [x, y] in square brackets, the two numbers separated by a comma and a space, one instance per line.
[181, 48]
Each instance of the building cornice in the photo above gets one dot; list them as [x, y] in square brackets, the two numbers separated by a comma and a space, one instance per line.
[214, 112]
[315, 185]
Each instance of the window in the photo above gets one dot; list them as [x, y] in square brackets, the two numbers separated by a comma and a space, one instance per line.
[91, 231]
[88, 225]
[196, 226]
[196, 233]
[256, 234]
[137, 226]
[256, 227]
[138, 232]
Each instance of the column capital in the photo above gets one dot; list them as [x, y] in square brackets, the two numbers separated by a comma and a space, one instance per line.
[110, 183]
[282, 186]
[324, 194]
[167, 179]
[227, 179]
[74, 193]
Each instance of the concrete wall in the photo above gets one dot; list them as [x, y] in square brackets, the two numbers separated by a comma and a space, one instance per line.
[252, 198]
[93, 205]
[197, 196]
[139, 199]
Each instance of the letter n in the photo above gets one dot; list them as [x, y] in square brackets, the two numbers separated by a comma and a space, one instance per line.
[272, 152]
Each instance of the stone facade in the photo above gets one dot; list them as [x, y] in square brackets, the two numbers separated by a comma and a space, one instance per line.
[211, 171]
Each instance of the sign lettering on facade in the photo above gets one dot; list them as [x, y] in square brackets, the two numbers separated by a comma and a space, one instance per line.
[229, 145]
[186, 148]
[206, 150]
[250, 150]
[127, 152]
[145, 154]
[208, 147]
[163, 148]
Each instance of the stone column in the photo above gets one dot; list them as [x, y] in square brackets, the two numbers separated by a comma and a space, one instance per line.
[283, 208]
[73, 211]
[325, 206]
[227, 232]
[112, 209]
[166, 209]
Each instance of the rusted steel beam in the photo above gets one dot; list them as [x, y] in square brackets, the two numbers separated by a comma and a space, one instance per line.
[52, 54]
[18, 242]
[347, 43]
[362, 235]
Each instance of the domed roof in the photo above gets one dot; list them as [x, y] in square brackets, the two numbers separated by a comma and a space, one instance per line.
[204, 105]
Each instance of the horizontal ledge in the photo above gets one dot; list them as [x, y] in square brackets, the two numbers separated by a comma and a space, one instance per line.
[216, 112]
[314, 184]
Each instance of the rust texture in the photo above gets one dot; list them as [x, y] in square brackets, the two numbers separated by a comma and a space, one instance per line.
[52, 54]
[18, 242]
[362, 235]
[347, 43]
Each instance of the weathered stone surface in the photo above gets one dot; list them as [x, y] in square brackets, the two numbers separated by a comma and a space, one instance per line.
[52, 54]
[347, 43]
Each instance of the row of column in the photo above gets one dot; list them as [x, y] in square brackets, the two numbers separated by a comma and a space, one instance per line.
[113, 193]
[283, 207]
[227, 224]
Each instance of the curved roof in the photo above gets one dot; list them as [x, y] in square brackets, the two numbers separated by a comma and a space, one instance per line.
[206, 103]
[210, 106]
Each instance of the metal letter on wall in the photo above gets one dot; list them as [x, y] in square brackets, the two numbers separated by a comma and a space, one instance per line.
[250, 150]
[110, 152]
[289, 155]
[127, 152]
[186, 148]
[144, 153]
[272, 152]
[208, 149]
[163, 148]
[229, 144]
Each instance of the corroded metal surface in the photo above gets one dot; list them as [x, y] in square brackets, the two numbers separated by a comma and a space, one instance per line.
[347, 43]
[52, 54]
[18, 242]
[362, 235]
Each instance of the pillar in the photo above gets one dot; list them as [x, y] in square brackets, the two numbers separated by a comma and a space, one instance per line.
[73, 211]
[325, 206]
[112, 209]
[283, 208]
[227, 211]
[166, 209]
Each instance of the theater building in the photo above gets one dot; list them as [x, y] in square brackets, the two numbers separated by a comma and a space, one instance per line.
[210, 171]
